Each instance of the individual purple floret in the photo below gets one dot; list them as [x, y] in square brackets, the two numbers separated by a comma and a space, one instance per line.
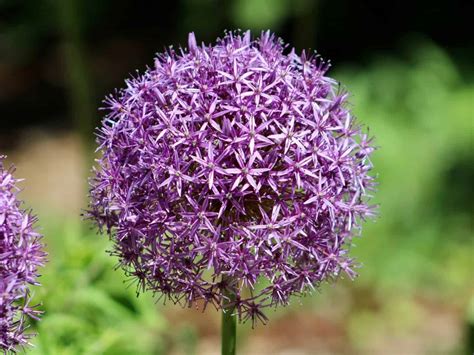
[21, 255]
[232, 168]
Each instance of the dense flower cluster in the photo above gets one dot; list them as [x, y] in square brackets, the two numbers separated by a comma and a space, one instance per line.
[232, 168]
[20, 256]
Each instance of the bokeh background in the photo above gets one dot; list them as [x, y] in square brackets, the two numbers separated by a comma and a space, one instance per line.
[409, 67]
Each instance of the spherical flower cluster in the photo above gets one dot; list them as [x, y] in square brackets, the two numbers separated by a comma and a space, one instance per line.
[20, 257]
[232, 168]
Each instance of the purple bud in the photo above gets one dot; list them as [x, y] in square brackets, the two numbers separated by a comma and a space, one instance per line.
[192, 45]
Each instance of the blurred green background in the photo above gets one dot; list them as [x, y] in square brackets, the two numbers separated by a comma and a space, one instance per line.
[409, 68]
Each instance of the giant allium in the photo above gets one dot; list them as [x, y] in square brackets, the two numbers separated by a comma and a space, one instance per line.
[20, 256]
[232, 168]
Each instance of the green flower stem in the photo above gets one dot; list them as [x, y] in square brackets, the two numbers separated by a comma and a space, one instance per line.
[229, 325]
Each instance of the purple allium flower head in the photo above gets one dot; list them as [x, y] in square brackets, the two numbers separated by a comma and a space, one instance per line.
[232, 166]
[21, 255]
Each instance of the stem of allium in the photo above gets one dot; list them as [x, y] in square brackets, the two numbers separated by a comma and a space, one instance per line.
[229, 324]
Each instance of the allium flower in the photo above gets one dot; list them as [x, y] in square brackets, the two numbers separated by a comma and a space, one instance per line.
[20, 256]
[235, 168]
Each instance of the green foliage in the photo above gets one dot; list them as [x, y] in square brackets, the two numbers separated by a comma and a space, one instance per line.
[420, 111]
[88, 308]
[260, 14]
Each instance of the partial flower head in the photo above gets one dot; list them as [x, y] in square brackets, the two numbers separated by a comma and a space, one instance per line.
[20, 257]
[233, 167]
